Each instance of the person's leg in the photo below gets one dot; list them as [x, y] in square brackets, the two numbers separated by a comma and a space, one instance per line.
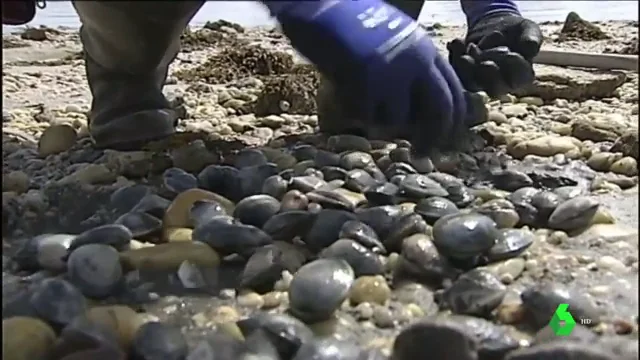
[331, 118]
[128, 47]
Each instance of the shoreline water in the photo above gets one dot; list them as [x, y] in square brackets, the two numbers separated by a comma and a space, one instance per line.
[249, 13]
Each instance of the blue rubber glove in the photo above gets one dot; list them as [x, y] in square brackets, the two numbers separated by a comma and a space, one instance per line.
[386, 70]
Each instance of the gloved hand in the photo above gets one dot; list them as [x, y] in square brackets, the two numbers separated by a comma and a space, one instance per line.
[385, 68]
[497, 53]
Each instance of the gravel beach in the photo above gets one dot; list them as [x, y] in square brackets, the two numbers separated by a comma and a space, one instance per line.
[249, 235]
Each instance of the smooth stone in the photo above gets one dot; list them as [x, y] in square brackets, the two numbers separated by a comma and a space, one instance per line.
[156, 341]
[26, 338]
[464, 236]
[58, 302]
[115, 235]
[52, 251]
[362, 260]
[564, 217]
[370, 289]
[178, 213]
[56, 139]
[431, 334]
[95, 269]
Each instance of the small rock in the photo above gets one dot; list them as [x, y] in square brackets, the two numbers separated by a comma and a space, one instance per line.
[56, 139]
[16, 181]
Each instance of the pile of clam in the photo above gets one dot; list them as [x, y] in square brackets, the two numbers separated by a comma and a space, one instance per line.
[330, 216]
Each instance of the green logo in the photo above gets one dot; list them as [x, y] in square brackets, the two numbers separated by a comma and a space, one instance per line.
[562, 323]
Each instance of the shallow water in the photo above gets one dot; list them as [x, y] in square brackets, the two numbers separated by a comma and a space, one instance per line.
[250, 13]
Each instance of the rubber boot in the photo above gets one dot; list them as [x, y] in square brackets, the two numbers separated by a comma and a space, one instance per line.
[128, 47]
[331, 117]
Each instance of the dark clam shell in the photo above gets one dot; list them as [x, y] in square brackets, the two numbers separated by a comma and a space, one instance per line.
[140, 224]
[203, 211]
[545, 202]
[421, 260]
[229, 239]
[275, 186]
[256, 210]
[125, 198]
[329, 349]
[362, 260]
[221, 179]
[431, 334]
[116, 235]
[288, 225]
[574, 214]
[433, 208]
[326, 228]
[156, 340]
[248, 158]
[304, 152]
[465, 236]
[512, 243]
[250, 179]
[348, 142]
[58, 302]
[333, 173]
[359, 180]
[382, 194]
[319, 288]
[477, 292]
[152, 204]
[420, 186]
[402, 228]
[380, 218]
[540, 302]
[287, 333]
[266, 265]
[176, 180]
[363, 234]
[356, 160]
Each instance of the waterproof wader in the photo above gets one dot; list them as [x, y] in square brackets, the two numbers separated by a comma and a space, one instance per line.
[128, 47]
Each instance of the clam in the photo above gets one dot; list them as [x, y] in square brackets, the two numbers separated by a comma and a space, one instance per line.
[399, 168]
[359, 180]
[326, 158]
[363, 234]
[328, 349]
[176, 180]
[275, 186]
[256, 210]
[421, 260]
[155, 340]
[568, 192]
[125, 198]
[203, 211]
[306, 183]
[380, 218]
[347, 142]
[248, 158]
[465, 236]
[356, 160]
[512, 243]
[58, 302]
[502, 211]
[433, 208]
[461, 195]
[420, 186]
[337, 198]
[477, 292]
[288, 225]
[382, 194]
[545, 202]
[304, 152]
[286, 332]
[221, 179]
[95, 269]
[494, 341]
[511, 180]
[445, 179]
[46, 251]
[229, 239]
[334, 173]
[115, 235]
[431, 334]
[152, 204]
[294, 200]
[540, 303]
[402, 228]
[573, 214]
[266, 265]
[319, 288]
[249, 180]
[140, 224]
[362, 260]
[326, 228]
